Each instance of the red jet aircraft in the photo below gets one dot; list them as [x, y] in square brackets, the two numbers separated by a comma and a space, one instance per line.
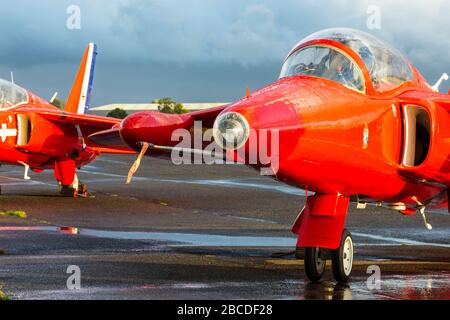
[38, 135]
[356, 121]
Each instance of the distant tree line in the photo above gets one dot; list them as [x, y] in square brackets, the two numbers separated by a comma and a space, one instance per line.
[117, 113]
[165, 105]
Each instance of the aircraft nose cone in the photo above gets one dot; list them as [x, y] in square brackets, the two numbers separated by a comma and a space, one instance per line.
[130, 129]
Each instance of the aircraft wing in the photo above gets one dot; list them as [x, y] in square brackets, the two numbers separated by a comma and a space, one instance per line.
[78, 119]
[86, 124]
[207, 116]
[110, 137]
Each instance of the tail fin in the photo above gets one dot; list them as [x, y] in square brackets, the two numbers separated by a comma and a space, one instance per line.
[79, 97]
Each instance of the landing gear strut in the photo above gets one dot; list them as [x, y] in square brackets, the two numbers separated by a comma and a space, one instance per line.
[341, 260]
[65, 174]
[320, 230]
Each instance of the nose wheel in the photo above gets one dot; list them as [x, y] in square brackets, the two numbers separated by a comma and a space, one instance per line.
[341, 260]
[315, 263]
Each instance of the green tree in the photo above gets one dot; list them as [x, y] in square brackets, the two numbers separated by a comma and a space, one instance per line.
[59, 103]
[167, 105]
[117, 113]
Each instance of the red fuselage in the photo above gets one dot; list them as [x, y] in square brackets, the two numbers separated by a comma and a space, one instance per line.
[322, 127]
[38, 142]
[391, 146]
[38, 134]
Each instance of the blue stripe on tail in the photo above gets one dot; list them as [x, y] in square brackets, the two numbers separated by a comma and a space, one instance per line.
[91, 79]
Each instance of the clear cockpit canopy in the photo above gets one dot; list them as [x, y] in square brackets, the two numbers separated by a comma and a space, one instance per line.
[387, 67]
[324, 62]
[11, 95]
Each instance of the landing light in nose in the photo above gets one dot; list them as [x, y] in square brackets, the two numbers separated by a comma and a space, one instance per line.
[231, 130]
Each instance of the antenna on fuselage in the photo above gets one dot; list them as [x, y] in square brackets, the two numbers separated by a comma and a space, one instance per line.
[54, 97]
[13, 87]
[439, 82]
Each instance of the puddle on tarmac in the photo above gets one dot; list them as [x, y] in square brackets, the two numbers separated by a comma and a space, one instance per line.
[28, 228]
[411, 287]
[209, 240]
[391, 287]
[178, 239]
[192, 239]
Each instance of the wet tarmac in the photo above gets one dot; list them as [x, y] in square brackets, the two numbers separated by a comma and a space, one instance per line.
[199, 232]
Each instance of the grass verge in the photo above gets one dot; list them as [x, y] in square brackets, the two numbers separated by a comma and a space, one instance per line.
[19, 214]
[3, 296]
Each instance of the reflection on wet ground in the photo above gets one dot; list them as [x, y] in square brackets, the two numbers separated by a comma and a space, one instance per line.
[286, 284]
[191, 239]
[208, 233]
[212, 240]
[400, 287]
[392, 288]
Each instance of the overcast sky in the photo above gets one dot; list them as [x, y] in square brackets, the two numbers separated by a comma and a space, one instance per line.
[197, 50]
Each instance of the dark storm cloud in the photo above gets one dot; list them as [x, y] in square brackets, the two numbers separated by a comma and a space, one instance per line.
[197, 50]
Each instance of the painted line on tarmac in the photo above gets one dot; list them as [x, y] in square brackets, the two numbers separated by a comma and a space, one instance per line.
[295, 262]
[20, 183]
[400, 240]
[211, 240]
[211, 182]
[113, 161]
[25, 182]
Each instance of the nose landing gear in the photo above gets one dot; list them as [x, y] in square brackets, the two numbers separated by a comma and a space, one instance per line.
[65, 174]
[75, 190]
[341, 260]
[320, 230]
[69, 191]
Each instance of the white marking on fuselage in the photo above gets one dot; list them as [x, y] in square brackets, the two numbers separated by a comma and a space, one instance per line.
[5, 132]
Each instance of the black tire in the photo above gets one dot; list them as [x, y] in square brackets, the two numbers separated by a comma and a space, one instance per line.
[299, 253]
[67, 191]
[342, 258]
[82, 190]
[314, 264]
[70, 191]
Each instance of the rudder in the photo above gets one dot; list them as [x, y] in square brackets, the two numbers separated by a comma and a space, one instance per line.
[79, 97]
